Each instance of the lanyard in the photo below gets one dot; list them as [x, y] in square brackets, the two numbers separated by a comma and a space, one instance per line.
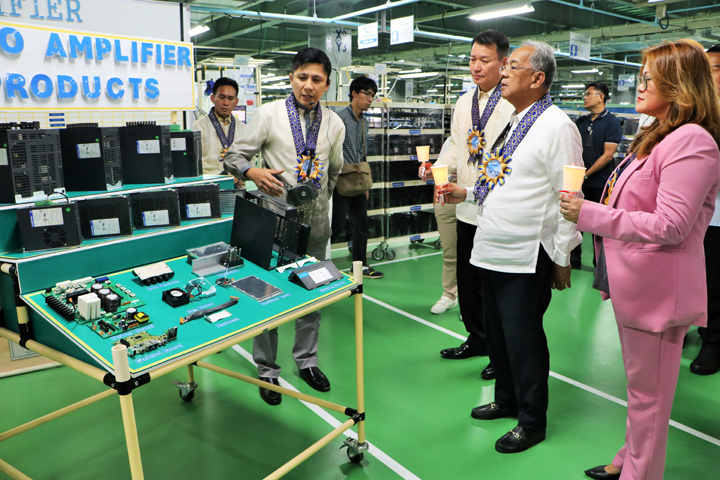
[476, 136]
[309, 165]
[225, 140]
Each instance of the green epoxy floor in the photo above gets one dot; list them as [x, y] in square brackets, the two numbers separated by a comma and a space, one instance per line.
[418, 405]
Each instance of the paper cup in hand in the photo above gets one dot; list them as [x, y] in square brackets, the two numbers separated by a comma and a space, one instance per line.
[423, 153]
[440, 174]
[573, 178]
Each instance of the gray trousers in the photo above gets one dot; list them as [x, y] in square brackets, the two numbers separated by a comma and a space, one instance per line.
[307, 329]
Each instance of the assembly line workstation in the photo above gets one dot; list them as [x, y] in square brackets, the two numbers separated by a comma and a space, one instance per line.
[154, 316]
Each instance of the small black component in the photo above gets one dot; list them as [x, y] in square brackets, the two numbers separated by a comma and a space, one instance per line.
[125, 342]
[104, 325]
[171, 333]
[64, 310]
[175, 297]
[72, 297]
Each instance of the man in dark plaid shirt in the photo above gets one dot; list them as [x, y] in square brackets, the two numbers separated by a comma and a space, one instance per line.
[354, 209]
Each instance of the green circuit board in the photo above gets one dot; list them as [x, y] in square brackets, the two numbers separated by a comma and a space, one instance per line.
[64, 303]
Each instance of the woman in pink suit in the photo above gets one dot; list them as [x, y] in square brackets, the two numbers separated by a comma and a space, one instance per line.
[650, 227]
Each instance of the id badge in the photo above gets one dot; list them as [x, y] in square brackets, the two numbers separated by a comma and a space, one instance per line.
[588, 140]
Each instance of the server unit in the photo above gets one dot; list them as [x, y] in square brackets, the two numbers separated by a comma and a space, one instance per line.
[91, 157]
[186, 146]
[49, 226]
[105, 217]
[146, 154]
[155, 209]
[30, 163]
[200, 201]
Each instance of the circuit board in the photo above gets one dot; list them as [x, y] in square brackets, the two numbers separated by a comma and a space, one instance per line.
[144, 342]
[63, 299]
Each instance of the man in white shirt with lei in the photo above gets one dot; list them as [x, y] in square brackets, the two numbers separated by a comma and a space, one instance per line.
[522, 245]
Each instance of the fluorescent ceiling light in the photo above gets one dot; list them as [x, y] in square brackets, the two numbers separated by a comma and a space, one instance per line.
[286, 52]
[594, 70]
[501, 10]
[419, 75]
[277, 87]
[432, 90]
[198, 29]
[415, 70]
[274, 78]
[573, 86]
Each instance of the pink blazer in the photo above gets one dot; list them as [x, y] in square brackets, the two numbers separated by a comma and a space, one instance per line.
[653, 230]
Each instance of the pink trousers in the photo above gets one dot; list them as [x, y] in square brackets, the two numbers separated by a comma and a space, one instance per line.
[652, 364]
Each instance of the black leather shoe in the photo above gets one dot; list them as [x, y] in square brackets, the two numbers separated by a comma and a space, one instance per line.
[488, 373]
[599, 473]
[270, 397]
[707, 361]
[463, 351]
[491, 411]
[516, 441]
[315, 378]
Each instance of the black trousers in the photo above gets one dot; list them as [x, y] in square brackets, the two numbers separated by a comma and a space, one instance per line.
[469, 287]
[592, 194]
[514, 305]
[351, 212]
[711, 334]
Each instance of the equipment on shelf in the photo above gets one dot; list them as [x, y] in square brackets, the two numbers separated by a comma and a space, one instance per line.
[146, 151]
[186, 147]
[199, 201]
[49, 226]
[30, 163]
[105, 217]
[91, 157]
[160, 208]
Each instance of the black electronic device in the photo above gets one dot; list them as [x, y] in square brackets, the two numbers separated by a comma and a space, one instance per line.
[30, 163]
[227, 200]
[49, 226]
[315, 274]
[91, 157]
[105, 217]
[160, 208]
[176, 297]
[199, 201]
[146, 153]
[302, 193]
[291, 235]
[253, 231]
[186, 147]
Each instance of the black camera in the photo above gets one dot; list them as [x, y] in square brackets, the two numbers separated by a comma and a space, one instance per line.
[301, 193]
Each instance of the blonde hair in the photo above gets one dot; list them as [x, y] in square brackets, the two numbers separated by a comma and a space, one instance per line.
[680, 71]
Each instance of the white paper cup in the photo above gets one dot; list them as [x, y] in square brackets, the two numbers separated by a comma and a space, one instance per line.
[423, 153]
[440, 174]
[573, 178]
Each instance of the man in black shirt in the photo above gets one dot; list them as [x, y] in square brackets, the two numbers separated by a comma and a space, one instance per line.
[601, 133]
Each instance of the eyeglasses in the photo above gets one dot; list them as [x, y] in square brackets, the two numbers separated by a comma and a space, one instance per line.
[643, 80]
[512, 69]
[368, 94]
[590, 94]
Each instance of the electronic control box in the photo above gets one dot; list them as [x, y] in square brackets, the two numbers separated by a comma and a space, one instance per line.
[155, 209]
[199, 201]
[55, 225]
[186, 146]
[105, 217]
[91, 157]
[30, 163]
[146, 153]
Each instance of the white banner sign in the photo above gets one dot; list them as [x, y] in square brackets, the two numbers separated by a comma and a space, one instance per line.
[626, 82]
[401, 30]
[46, 68]
[368, 35]
[580, 46]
